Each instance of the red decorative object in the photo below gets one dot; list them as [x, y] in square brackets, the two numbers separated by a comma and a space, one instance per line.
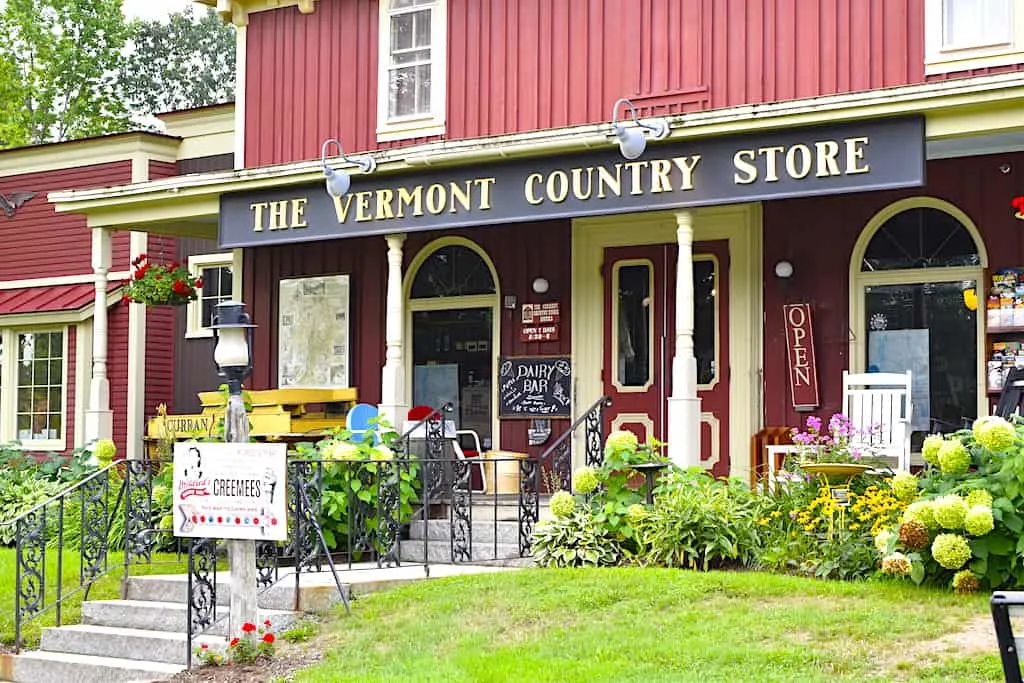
[159, 284]
[803, 367]
[1018, 204]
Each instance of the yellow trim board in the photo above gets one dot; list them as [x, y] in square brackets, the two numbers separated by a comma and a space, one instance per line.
[62, 156]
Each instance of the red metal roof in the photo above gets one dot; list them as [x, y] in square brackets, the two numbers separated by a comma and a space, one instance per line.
[49, 299]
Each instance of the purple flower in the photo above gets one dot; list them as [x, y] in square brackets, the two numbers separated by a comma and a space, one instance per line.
[814, 423]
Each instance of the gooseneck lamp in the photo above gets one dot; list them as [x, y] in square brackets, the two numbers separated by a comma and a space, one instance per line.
[632, 141]
[338, 180]
[232, 353]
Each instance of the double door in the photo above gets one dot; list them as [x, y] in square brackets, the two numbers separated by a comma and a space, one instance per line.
[639, 342]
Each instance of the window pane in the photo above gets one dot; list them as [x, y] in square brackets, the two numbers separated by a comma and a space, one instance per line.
[920, 238]
[421, 28]
[217, 284]
[40, 385]
[401, 31]
[403, 92]
[410, 57]
[705, 319]
[452, 271]
[976, 23]
[633, 348]
[927, 329]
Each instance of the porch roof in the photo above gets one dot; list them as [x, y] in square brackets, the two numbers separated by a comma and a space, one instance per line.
[969, 116]
[50, 298]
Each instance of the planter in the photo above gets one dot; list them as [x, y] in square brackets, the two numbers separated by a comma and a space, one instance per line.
[838, 471]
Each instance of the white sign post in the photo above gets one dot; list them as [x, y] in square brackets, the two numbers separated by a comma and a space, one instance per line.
[233, 491]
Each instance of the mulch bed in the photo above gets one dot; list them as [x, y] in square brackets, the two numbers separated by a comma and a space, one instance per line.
[281, 666]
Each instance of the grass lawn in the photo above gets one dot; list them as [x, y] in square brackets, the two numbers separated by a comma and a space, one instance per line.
[626, 625]
[107, 588]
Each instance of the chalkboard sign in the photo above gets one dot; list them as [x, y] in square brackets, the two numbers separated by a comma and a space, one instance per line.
[535, 386]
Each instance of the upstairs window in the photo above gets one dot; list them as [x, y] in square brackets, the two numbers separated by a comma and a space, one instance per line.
[972, 34]
[411, 84]
[217, 273]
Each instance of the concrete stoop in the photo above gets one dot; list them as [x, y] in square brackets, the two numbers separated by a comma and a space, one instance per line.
[142, 638]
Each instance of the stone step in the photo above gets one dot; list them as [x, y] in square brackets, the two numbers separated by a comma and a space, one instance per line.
[165, 616]
[125, 643]
[281, 596]
[43, 667]
[440, 551]
[484, 531]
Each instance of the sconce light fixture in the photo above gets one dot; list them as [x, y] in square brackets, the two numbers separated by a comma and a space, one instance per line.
[232, 329]
[784, 270]
[540, 286]
[338, 180]
[632, 141]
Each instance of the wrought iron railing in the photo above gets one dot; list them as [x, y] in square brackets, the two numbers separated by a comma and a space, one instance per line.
[559, 454]
[78, 518]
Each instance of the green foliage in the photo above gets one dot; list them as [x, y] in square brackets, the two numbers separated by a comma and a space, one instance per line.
[183, 62]
[698, 522]
[58, 66]
[20, 491]
[354, 473]
[301, 630]
[577, 540]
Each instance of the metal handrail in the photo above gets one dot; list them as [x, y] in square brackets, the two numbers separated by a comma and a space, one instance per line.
[62, 494]
[603, 402]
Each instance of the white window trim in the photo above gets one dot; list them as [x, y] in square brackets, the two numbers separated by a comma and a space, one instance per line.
[420, 125]
[940, 58]
[9, 393]
[194, 310]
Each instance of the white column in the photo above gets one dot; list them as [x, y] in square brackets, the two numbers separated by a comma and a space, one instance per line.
[683, 405]
[393, 404]
[99, 419]
[136, 407]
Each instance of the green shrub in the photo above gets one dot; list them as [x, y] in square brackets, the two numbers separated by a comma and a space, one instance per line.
[20, 491]
[354, 473]
[698, 522]
[576, 540]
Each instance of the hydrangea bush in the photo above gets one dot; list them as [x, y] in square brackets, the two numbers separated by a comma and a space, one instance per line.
[964, 530]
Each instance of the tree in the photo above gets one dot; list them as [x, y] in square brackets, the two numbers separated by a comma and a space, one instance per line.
[181, 63]
[58, 65]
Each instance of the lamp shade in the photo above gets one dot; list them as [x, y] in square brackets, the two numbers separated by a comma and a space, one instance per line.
[632, 142]
[232, 350]
[231, 324]
[338, 181]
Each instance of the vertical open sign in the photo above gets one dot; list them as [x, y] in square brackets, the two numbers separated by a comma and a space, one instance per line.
[803, 368]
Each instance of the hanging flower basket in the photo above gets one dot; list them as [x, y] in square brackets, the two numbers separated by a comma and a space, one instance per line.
[161, 284]
[1018, 205]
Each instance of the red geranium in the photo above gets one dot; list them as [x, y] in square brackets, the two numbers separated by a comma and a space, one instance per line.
[158, 284]
[268, 638]
[233, 643]
[248, 628]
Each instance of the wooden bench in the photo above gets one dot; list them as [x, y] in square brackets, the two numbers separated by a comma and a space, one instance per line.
[1005, 605]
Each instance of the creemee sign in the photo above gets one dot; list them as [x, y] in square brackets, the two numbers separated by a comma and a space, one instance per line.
[228, 490]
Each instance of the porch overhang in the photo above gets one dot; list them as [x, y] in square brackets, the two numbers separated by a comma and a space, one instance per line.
[963, 117]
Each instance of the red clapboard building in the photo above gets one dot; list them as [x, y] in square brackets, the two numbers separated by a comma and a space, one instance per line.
[554, 202]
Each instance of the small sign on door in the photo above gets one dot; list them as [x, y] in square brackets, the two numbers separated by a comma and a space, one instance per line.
[540, 322]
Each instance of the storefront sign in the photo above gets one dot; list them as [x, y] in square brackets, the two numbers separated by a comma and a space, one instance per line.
[540, 322]
[850, 157]
[803, 368]
[534, 386]
[230, 490]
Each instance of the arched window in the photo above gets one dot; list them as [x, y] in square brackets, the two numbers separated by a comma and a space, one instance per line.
[921, 237]
[452, 270]
[911, 269]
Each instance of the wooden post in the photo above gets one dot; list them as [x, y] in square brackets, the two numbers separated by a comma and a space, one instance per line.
[241, 554]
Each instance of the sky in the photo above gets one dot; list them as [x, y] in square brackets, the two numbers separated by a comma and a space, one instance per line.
[153, 9]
